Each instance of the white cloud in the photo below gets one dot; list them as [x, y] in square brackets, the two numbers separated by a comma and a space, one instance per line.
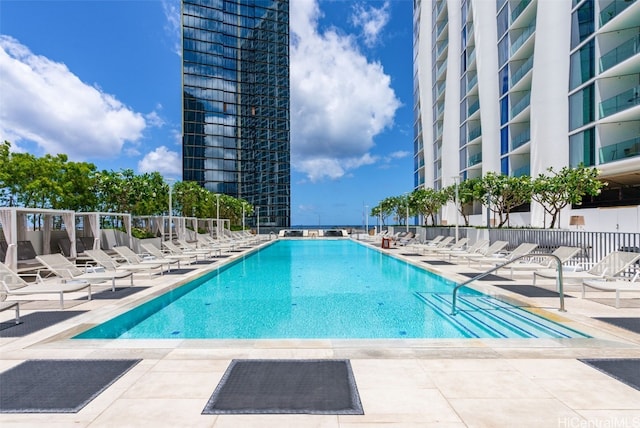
[371, 21]
[339, 100]
[171, 9]
[163, 160]
[44, 102]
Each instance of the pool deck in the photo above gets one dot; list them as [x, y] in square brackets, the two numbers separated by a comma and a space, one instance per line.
[402, 383]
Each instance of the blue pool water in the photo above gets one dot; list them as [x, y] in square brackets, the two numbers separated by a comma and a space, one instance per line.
[323, 289]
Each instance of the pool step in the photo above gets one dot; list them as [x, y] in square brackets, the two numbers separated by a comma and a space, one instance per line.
[484, 316]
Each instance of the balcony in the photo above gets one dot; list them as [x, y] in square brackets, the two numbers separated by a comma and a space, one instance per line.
[473, 108]
[440, 69]
[520, 72]
[472, 82]
[471, 56]
[520, 139]
[523, 37]
[475, 133]
[440, 88]
[613, 10]
[474, 159]
[439, 27]
[515, 13]
[521, 105]
[624, 51]
[622, 101]
[625, 149]
[441, 46]
[523, 170]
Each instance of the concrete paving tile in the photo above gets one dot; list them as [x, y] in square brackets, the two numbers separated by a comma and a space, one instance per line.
[487, 384]
[611, 418]
[392, 374]
[276, 421]
[158, 413]
[508, 413]
[175, 385]
[426, 405]
[596, 394]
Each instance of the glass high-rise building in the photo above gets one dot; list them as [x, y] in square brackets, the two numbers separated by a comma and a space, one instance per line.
[235, 79]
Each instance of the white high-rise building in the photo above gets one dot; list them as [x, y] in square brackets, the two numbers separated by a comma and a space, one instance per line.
[519, 86]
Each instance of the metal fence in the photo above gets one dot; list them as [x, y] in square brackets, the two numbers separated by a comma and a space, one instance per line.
[594, 245]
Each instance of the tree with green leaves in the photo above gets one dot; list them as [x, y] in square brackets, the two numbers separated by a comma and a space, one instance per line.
[503, 193]
[557, 190]
[467, 194]
[384, 209]
[428, 202]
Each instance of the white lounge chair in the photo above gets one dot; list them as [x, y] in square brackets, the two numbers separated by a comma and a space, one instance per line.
[14, 285]
[157, 252]
[521, 250]
[489, 251]
[441, 244]
[563, 253]
[457, 246]
[134, 258]
[472, 249]
[610, 266]
[175, 250]
[60, 266]
[5, 306]
[618, 285]
[112, 265]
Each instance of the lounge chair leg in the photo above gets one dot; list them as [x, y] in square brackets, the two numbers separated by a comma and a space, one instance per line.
[61, 301]
[18, 314]
[617, 299]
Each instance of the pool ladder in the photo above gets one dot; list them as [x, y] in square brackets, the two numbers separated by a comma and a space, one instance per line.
[483, 274]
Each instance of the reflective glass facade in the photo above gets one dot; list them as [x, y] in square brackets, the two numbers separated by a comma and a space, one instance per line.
[236, 102]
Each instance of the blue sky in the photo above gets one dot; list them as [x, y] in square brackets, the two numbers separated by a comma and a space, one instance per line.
[101, 82]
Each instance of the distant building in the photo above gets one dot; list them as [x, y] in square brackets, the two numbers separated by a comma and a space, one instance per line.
[517, 87]
[235, 79]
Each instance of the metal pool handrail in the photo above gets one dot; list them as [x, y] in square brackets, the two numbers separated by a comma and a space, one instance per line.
[483, 274]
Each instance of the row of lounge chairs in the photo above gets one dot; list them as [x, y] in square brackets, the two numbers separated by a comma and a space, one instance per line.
[605, 275]
[57, 274]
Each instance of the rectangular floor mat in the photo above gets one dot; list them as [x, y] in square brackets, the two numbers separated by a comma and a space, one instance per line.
[437, 262]
[631, 324]
[490, 277]
[118, 294]
[530, 291]
[626, 370]
[57, 386]
[287, 387]
[35, 321]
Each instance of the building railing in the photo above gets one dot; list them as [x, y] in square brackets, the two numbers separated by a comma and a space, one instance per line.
[623, 51]
[472, 82]
[622, 101]
[612, 10]
[521, 105]
[520, 72]
[440, 47]
[473, 108]
[515, 13]
[523, 170]
[475, 133]
[523, 37]
[622, 150]
[474, 159]
[520, 139]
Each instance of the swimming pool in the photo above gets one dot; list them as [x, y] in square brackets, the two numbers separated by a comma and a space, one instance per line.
[322, 289]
